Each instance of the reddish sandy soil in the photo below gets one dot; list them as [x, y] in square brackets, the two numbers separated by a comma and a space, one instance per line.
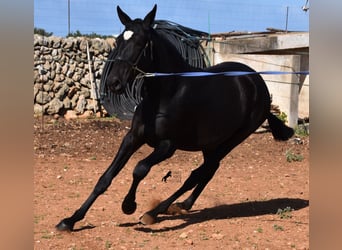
[237, 210]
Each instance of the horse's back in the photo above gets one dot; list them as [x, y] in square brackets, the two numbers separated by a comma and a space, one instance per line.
[229, 66]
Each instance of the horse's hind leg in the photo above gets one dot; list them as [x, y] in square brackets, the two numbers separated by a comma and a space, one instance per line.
[163, 151]
[201, 184]
[129, 145]
[198, 178]
[213, 156]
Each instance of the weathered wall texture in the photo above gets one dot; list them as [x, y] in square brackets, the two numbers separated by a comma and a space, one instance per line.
[63, 83]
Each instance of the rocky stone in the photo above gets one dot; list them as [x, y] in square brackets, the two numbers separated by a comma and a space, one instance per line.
[85, 81]
[81, 105]
[67, 103]
[51, 94]
[59, 78]
[65, 68]
[183, 235]
[35, 91]
[48, 86]
[42, 97]
[68, 44]
[76, 77]
[86, 114]
[70, 114]
[54, 106]
[56, 42]
[83, 45]
[38, 109]
[57, 86]
[62, 92]
[52, 74]
[54, 53]
[74, 100]
[35, 75]
[92, 104]
[58, 68]
[69, 82]
[85, 92]
[43, 78]
[98, 64]
[72, 91]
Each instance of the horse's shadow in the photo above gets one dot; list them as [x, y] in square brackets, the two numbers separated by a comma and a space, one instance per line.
[226, 211]
[245, 209]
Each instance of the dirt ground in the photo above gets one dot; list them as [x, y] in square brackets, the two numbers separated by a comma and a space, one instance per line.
[256, 200]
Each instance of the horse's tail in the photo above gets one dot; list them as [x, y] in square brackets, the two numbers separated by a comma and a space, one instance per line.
[279, 130]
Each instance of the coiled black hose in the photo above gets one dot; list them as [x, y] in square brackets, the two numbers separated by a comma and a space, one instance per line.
[186, 40]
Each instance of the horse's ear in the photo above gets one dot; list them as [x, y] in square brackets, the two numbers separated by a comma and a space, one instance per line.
[124, 18]
[149, 18]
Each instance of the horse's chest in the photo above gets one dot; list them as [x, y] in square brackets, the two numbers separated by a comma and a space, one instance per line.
[166, 127]
[158, 127]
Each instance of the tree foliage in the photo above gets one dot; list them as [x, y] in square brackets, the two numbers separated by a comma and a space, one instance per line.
[77, 33]
[42, 32]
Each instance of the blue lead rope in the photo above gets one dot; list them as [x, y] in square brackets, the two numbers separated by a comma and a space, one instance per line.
[227, 73]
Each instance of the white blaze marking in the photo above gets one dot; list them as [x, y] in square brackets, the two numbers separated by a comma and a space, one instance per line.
[128, 34]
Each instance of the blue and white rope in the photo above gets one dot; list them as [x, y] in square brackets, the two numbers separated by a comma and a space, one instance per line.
[226, 73]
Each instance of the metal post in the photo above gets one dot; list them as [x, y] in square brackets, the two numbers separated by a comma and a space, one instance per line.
[93, 92]
[68, 17]
[287, 17]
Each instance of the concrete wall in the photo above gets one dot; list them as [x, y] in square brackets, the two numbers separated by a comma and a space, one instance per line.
[290, 92]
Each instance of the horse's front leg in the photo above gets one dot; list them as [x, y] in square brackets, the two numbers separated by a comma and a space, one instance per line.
[163, 151]
[128, 146]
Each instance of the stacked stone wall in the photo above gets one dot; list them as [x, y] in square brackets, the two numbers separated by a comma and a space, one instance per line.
[63, 83]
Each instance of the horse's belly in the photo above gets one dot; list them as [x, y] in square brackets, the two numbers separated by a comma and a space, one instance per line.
[193, 134]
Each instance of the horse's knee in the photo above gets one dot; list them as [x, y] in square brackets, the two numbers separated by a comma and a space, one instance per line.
[140, 171]
[102, 185]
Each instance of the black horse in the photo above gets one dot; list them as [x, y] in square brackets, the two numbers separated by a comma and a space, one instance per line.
[212, 114]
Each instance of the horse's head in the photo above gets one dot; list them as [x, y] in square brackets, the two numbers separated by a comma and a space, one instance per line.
[131, 45]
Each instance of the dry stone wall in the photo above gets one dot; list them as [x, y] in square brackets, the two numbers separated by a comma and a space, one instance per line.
[63, 83]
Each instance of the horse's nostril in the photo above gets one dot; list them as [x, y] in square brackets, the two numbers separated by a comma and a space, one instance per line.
[115, 85]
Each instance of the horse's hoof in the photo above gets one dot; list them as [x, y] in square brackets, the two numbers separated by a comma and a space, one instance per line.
[176, 209]
[147, 219]
[129, 207]
[65, 226]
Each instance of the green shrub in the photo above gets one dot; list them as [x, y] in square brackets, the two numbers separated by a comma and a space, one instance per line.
[41, 32]
[283, 117]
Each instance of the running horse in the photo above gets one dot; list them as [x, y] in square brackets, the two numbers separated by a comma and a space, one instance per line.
[212, 114]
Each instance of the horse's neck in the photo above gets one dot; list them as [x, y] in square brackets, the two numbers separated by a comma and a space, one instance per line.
[167, 58]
